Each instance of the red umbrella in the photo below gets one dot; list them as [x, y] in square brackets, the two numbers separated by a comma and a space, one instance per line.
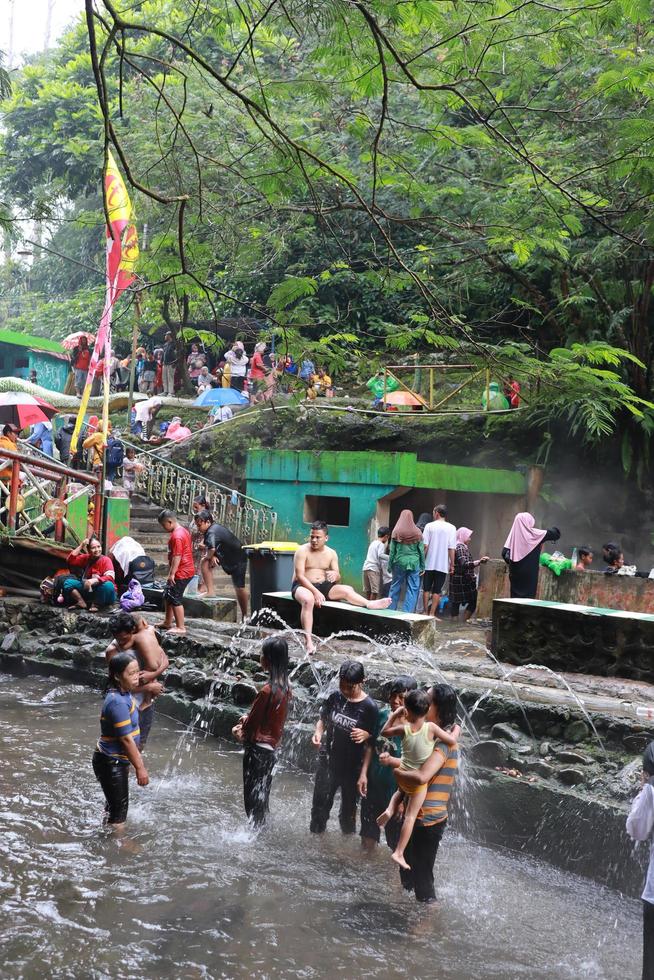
[22, 409]
[73, 339]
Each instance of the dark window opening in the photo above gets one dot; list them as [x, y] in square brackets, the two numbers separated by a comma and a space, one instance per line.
[21, 362]
[333, 510]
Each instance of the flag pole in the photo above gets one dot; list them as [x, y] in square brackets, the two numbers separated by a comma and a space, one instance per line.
[132, 363]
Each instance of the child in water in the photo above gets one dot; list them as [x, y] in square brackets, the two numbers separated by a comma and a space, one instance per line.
[262, 728]
[418, 738]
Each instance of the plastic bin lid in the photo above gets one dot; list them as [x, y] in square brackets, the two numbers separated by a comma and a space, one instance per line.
[288, 546]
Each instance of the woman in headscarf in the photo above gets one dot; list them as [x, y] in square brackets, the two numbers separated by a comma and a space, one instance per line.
[204, 379]
[521, 552]
[640, 826]
[406, 561]
[462, 590]
[424, 520]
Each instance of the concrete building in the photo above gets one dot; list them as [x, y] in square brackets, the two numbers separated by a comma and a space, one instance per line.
[356, 492]
[21, 353]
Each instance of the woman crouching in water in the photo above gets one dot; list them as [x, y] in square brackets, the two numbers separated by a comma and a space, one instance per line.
[118, 745]
[261, 730]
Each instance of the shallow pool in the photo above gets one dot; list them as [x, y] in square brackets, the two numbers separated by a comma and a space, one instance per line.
[191, 891]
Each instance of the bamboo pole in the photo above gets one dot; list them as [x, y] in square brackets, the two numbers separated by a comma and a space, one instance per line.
[132, 363]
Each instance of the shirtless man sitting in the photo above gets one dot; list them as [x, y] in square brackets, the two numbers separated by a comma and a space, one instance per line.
[316, 577]
[131, 633]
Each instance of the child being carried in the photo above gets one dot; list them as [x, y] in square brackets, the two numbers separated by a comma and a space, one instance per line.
[418, 738]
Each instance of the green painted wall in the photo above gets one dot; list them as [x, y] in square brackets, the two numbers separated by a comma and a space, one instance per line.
[351, 542]
[284, 478]
[398, 469]
[18, 361]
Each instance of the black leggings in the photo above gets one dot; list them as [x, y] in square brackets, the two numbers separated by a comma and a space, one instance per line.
[257, 779]
[648, 941]
[328, 781]
[112, 774]
[421, 853]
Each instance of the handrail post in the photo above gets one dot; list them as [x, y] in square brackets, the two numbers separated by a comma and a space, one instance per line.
[97, 509]
[488, 389]
[60, 529]
[13, 494]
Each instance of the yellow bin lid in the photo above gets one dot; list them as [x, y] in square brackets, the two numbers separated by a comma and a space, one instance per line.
[289, 546]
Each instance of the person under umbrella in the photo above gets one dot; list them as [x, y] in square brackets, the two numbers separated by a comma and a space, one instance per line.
[23, 410]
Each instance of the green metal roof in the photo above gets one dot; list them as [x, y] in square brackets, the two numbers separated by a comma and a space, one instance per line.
[27, 340]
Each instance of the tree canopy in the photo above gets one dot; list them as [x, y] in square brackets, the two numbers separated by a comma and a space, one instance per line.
[378, 178]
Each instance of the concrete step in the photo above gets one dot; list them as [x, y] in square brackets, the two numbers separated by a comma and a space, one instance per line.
[334, 616]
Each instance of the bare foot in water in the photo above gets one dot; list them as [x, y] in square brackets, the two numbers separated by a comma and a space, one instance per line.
[383, 818]
[93, 609]
[399, 859]
[176, 631]
[378, 603]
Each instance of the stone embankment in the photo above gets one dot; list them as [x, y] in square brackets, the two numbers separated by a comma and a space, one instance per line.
[544, 770]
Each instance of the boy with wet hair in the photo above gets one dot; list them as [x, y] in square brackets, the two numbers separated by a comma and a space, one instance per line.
[376, 783]
[132, 634]
[181, 569]
[347, 719]
[418, 739]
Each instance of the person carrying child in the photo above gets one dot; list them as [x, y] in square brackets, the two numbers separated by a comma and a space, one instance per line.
[376, 783]
[262, 728]
[418, 738]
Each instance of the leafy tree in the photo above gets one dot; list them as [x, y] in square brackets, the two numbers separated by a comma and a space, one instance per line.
[407, 178]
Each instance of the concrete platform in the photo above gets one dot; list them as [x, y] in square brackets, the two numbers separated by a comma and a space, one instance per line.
[333, 617]
[571, 637]
[217, 608]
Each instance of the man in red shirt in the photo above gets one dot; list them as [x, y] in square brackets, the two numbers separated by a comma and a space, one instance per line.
[80, 360]
[181, 570]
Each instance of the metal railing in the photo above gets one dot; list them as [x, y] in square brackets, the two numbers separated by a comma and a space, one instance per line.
[445, 388]
[175, 488]
[35, 493]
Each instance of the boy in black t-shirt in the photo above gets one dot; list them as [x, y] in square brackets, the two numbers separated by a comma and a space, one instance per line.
[223, 548]
[347, 720]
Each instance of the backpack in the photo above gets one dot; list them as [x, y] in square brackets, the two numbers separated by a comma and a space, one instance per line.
[141, 569]
[115, 453]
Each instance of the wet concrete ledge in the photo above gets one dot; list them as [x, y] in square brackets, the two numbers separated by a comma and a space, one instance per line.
[566, 801]
[584, 639]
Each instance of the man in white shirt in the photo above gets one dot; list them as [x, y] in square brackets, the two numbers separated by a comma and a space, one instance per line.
[375, 565]
[439, 537]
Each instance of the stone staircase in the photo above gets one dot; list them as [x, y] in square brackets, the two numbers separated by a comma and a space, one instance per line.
[145, 529]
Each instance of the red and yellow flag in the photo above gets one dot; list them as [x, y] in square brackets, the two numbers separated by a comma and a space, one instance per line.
[122, 253]
[122, 240]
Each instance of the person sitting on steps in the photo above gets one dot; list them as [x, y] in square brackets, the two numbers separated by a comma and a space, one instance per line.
[316, 577]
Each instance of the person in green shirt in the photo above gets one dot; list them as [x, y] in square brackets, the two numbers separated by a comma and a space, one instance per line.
[406, 561]
[376, 783]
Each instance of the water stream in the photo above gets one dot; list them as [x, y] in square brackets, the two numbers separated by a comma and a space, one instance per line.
[192, 892]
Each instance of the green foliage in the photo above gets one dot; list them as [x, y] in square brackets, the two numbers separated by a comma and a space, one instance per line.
[363, 181]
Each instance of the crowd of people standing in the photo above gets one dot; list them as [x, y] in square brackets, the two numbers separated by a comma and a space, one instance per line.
[413, 562]
[169, 370]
